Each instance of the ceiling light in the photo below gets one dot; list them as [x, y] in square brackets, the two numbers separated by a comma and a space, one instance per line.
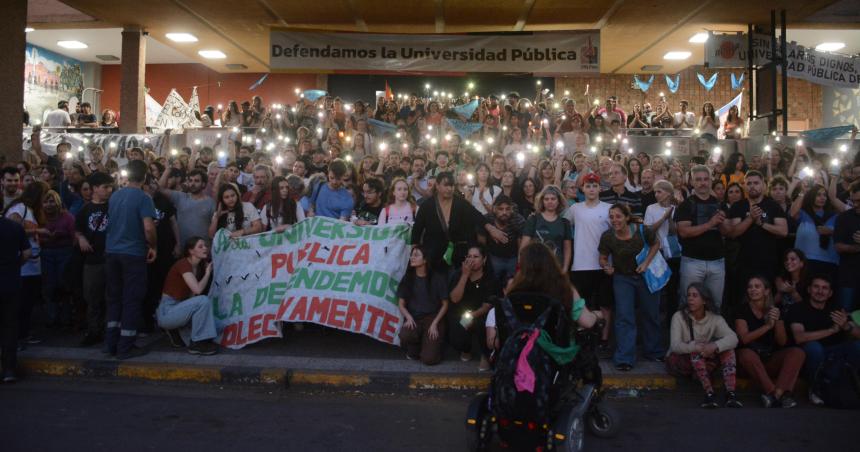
[829, 46]
[699, 38]
[181, 37]
[677, 55]
[29, 29]
[72, 44]
[212, 54]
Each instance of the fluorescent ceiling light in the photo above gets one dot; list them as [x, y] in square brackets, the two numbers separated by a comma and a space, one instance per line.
[212, 54]
[699, 37]
[829, 46]
[29, 29]
[181, 37]
[72, 44]
[677, 55]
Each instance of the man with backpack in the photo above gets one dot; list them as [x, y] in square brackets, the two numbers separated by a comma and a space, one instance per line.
[824, 331]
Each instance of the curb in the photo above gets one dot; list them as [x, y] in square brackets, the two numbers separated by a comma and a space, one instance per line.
[295, 378]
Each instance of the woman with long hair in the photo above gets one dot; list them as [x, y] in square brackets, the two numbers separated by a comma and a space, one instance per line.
[815, 213]
[282, 211]
[240, 218]
[736, 169]
[623, 242]
[634, 175]
[423, 301]
[232, 117]
[56, 238]
[733, 123]
[484, 192]
[791, 284]
[701, 340]
[526, 196]
[401, 205]
[763, 353]
[708, 123]
[472, 289]
[184, 300]
[548, 226]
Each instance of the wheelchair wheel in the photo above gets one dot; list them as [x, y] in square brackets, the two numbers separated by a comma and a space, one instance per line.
[479, 427]
[603, 420]
[575, 431]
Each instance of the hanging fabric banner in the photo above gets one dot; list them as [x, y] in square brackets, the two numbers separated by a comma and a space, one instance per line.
[643, 86]
[709, 84]
[673, 85]
[737, 82]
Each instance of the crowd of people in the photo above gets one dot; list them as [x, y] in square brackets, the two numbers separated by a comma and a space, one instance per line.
[764, 248]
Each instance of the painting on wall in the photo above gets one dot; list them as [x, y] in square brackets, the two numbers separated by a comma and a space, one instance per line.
[841, 107]
[49, 78]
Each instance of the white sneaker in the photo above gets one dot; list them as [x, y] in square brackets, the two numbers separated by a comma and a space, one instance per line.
[815, 399]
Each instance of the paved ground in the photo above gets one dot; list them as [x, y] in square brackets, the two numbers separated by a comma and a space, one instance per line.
[63, 415]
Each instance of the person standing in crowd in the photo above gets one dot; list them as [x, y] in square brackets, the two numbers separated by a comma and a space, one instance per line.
[332, 199]
[623, 242]
[684, 119]
[759, 224]
[701, 340]
[370, 209]
[846, 235]
[503, 256]
[130, 245]
[618, 192]
[824, 330]
[472, 289]
[647, 191]
[735, 171]
[169, 249]
[590, 219]
[701, 225]
[401, 206]
[56, 238]
[237, 217]
[423, 301]
[194, 208]
[59, 117]
[11, 182]
[484, 191]
[14, 252]
[261, 193]
[183, 300]
[91, 229]
[763, 353]
[418, 180]
[282, 211]
[548, 226]
[658, 216]
[815, 215]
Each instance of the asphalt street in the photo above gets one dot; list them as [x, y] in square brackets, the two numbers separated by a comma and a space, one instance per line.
[72, 415]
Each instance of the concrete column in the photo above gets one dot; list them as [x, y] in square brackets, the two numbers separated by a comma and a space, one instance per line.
[12, 44]
[132, 105]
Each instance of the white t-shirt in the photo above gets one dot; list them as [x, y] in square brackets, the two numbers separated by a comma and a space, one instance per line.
[33, 266]
[272, 223]
[691, 119]
[490, 195]
[251, 214]
[653, 213]
[513, 148]
[391, 214]
[589, 224]
[58, 118]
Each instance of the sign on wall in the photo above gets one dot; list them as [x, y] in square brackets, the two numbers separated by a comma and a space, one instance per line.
[730, 50]
[563, 52]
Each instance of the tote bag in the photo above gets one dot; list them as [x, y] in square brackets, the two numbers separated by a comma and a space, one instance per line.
[658, 273]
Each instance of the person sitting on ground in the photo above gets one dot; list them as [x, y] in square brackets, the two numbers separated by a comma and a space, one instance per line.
[700, 340]
[763, 353]
[423, 300]
[472, 288]
[823, 330]
[240, 218]
[184, 299]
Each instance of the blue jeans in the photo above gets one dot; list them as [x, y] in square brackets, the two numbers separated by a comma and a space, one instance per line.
[710, 273]
[503, 268]
[54, 262]
[126, 287]
[848, 298]
[628, 290]
[817, 353]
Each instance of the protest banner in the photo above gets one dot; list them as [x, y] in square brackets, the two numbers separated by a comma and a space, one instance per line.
[546, 53]
[320, 270]
[730, 50]
[175, 113]
[115, 143]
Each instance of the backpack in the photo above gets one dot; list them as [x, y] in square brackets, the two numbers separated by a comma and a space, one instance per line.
[838, 383]
[512, 406]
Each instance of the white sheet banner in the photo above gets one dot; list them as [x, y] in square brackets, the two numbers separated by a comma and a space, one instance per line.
[818, 67]
[116, 143]
[550, 52]
[320, 270]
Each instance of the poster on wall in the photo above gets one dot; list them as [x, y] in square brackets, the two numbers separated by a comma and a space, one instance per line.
[49, 78]
[730, 50]
[547, 53]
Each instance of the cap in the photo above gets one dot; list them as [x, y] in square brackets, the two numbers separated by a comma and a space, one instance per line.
[592, 178]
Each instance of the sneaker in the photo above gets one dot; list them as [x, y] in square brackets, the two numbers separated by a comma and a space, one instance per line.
[815, 399]
[769, 401]
[465, 357]
[732, 400]
[787, 401]
[710, 401]
[485, 364]
[175, 338]
[410, 357]
[623, 367]
[33, 340]
[203, 348]
[133, 352]
[9, 377]
[90, 340]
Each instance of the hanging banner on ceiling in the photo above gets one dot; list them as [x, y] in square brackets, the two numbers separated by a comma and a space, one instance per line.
[808, 64]
[568, 52]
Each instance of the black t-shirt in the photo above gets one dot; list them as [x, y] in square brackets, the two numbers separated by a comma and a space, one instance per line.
[13, 244]
[87, 119]
[475, 294]
[759, 248]
[368, 213]
[92, 223]
[164, 211]
[708, 246]
[648, 198]
[514, 230]
[765, 341]
[847, 223]
[421, 301]
[814, 320]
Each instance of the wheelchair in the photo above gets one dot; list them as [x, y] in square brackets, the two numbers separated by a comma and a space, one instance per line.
[576, 401]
